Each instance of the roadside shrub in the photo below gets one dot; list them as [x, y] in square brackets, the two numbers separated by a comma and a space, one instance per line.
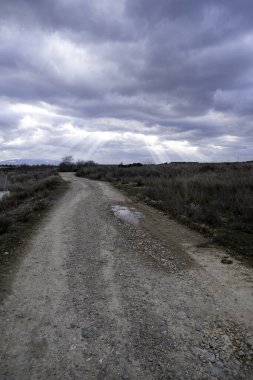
[29, 190]
[5, 223]
[218, 195]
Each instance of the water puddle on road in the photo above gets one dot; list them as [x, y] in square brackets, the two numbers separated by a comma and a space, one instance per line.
[4, 194]
[127, 215]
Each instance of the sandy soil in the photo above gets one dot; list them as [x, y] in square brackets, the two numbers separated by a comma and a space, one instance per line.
[97, 298]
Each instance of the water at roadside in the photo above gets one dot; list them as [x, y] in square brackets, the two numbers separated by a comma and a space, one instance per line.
[3, 193]
[128, 215]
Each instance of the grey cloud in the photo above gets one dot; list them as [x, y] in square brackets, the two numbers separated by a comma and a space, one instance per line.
[8, 121]
[78, 18]
[239, 101]
[178, 68]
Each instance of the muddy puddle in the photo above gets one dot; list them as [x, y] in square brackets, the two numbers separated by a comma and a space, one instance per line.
[127, 215]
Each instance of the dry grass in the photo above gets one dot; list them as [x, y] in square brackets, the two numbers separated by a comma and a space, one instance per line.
[29, 189]
[214, 198]
[33, 190]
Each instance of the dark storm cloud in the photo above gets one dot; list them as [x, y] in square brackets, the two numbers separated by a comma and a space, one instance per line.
[79, 18]
[178, 71]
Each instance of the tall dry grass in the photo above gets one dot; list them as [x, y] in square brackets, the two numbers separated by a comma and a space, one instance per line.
[216, 198]
[29, 190]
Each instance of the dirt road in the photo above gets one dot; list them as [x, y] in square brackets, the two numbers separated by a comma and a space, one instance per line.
[98, 298]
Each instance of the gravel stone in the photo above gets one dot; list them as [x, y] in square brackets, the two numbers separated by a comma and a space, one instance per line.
[136, 314]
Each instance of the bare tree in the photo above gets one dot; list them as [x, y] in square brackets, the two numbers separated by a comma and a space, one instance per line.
[67, 163]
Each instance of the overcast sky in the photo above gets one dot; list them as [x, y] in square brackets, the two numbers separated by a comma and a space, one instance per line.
[126, 80]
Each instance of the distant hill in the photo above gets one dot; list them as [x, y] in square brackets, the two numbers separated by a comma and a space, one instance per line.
[28, 161]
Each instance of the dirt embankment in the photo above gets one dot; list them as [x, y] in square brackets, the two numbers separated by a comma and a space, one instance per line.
[98, 298]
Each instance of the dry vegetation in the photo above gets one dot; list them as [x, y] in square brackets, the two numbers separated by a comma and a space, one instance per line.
[29, 189]
[214, 198]
[32, 190]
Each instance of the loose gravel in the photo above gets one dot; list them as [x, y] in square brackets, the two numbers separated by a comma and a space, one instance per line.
[99, 298]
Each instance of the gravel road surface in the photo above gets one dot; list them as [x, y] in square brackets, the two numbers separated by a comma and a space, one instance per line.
[97, 297]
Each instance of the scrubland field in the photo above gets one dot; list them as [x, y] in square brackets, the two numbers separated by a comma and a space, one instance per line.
[215, 198]
[32, 190]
